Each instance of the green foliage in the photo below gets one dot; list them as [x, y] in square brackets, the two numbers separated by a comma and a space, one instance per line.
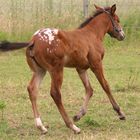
[2, 107]
[133, 78]
[132, 25]
[27, 17]
[3, 35]
[90, 122]
[3, 127]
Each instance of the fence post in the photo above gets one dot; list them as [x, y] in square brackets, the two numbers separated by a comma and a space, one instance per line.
[85, 8]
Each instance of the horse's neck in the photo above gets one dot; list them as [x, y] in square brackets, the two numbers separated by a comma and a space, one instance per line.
[98, 27]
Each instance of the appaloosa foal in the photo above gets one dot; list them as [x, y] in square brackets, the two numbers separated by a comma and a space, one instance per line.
[52, 49]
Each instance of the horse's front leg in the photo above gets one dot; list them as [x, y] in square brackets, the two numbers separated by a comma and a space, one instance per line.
[89, 92]
[57, 77]
[98, 71]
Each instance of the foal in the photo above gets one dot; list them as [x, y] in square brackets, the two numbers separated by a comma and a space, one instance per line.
[52, 49]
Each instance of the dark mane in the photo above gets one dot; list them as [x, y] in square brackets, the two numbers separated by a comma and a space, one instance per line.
[97, 12]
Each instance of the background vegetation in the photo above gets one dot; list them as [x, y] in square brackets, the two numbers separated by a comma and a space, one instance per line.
[19, 19]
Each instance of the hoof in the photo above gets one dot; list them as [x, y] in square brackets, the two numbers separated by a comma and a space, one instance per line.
[44, 130]
[76, 118]
[76, 129]
[122, 117]
[78, 132]
[40, 126]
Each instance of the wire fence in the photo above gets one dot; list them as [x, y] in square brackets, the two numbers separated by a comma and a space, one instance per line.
[22, 17]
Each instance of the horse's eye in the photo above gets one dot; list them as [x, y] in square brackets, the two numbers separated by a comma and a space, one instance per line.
[117, 30]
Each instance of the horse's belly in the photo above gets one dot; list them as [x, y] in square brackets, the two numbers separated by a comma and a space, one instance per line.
[75, 62]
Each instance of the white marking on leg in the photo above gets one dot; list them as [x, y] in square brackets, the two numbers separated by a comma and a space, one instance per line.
[76, 129]
[38, 122]
[39, 125]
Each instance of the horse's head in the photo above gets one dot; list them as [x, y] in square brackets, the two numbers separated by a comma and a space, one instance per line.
[114, 30]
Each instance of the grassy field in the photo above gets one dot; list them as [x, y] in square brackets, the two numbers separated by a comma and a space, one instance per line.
[100, 123]
[19, 19]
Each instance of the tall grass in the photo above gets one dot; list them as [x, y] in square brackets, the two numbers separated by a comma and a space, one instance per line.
[21, 18]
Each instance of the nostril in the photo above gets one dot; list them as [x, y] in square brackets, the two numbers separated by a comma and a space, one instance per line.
[122, 34]
[122, 37]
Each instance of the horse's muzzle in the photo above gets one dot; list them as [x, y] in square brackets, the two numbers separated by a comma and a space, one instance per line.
[121, 35]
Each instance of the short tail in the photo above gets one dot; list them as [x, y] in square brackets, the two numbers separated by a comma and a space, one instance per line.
[9, 46]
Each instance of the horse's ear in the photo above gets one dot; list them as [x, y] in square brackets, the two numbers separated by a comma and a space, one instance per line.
[97, 7]
[113, 9]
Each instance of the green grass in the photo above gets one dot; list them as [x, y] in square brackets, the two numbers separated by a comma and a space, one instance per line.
[100, 123]
[19, 20]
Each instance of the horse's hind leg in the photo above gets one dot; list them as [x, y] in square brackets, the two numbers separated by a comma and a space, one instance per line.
[89, 92]
[57, 77]
[33, 90]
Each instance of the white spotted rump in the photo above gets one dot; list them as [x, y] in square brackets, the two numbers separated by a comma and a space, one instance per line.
[47, 34]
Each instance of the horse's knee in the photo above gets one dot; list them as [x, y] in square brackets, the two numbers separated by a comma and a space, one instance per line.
[31, 91]
[55, 94]
[89, 90]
